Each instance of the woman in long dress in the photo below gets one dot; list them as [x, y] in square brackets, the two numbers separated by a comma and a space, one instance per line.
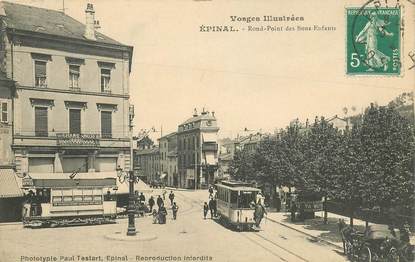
[368, 36]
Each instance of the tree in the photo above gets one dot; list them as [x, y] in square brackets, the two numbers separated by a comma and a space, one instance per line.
[348, 186]
[387, 140]
[322, 158]
[241, 167]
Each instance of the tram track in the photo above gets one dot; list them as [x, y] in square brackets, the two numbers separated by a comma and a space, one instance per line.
[256, 238]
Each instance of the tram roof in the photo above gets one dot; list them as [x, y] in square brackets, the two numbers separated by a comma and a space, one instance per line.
[237, 186]
[55, 180]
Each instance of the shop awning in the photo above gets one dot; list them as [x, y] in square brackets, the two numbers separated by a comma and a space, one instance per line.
[162, 176]
[9, 186]
[123, 188]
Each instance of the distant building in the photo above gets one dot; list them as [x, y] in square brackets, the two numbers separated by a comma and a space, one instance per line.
[71, 109]
[339, 123]
[197, 150]
[149, 162]
[7, 90]
[168, 159]
[143, 142]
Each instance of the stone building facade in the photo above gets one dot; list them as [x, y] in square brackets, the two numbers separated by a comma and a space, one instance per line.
[71, 108]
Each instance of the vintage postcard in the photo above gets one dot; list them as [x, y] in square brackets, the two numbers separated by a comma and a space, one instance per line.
[207, 130]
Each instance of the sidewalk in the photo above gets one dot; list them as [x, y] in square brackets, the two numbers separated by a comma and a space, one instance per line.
[315, 228]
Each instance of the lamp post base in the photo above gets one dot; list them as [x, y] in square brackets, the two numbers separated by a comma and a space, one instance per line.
[131, 232]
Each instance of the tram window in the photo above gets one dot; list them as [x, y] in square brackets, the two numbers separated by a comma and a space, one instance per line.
[57, 199]
[87, 198]
[67, 199]
[97, 198]
[234, 197]
[246, 198]
[77, 198]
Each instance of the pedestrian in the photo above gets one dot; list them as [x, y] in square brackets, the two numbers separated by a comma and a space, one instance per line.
[171, 197]
[159, 201]
[162, 214]
[151, 202]
[259, 213]
[293, 211]
[164, 194]
[174, 208]
[142, 198]
[211, 204]
[215, 207]
[155, 216]
[210, 192]
[205, 210]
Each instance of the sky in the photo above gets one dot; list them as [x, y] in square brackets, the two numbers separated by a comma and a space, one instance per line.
[254, 80]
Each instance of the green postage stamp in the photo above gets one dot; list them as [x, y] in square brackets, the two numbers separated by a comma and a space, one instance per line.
[373, 41]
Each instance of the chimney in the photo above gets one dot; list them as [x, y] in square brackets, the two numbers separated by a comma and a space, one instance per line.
[90, 22]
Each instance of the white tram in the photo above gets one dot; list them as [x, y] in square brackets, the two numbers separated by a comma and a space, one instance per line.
[58, 200]
[235, 203]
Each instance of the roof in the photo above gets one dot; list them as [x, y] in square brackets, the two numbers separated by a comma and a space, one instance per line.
[89, 175]
[58, 180]
[203, 116]
[336, 117]
[239, 188]
[154, 150]
[168, 136]
[140, 186]
[46, 21]
[9, 186]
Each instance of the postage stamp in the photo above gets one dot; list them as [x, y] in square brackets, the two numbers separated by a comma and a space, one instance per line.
[373, 41]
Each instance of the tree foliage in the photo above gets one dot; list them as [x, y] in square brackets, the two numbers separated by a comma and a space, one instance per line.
[369, 164]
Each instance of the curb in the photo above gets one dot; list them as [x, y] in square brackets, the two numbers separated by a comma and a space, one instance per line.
[302, 232]
[11, 224]
[121, 236]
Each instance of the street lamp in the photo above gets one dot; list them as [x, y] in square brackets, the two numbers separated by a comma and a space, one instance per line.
[132, 178]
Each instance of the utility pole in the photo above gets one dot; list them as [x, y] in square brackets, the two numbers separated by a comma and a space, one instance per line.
[195, 163]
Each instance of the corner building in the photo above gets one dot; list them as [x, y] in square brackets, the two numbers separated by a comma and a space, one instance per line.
[197, 151]
[71, 107]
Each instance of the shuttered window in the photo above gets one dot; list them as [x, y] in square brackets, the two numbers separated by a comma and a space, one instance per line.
[74, 121]
[106, 124]
[40, 74]
[41, 121]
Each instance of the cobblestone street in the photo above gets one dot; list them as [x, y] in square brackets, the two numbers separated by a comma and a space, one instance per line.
[189, 238]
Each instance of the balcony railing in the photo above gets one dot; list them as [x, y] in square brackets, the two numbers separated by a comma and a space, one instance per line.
[67, 139]
[210, 147]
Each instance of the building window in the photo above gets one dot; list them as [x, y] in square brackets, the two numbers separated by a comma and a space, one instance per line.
[105, 79]
[40, 73]
[74, 121]
[41, 121]
[106, 124]
[4, 117]
[74, 73]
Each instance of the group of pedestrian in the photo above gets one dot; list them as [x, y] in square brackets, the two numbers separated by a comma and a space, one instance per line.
[211, 205]
[159, 216]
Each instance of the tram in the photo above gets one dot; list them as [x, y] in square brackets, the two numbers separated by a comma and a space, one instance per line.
[55, 199]
[235, 203]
